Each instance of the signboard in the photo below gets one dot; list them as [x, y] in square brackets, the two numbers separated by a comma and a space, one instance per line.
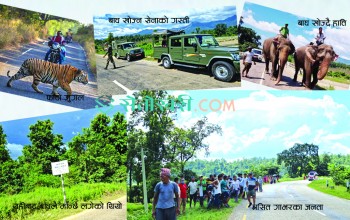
[60, 167]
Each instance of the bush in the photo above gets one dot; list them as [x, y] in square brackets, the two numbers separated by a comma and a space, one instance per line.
[339, 174]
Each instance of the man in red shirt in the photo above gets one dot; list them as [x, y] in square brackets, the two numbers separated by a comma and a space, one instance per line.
[58, 38]
[183, 194]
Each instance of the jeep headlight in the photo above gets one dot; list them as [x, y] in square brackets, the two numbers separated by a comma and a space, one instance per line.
[132, 52]
[235, 56]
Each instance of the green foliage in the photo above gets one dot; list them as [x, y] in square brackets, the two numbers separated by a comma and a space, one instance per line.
[48, 195]
[248, 37]
[338, 190]
[220, 29]
[46, 147]
[259, 166]
[99, 153]
[299, 159]
[164, 144]
[4, 153]
[339, 173]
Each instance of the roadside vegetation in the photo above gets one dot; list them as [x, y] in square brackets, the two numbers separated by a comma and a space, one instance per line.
[96, 157]
[19, 26]
[332, 189]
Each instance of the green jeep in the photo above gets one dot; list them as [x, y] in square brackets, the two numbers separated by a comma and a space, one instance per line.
[196, 51]
[128, 50]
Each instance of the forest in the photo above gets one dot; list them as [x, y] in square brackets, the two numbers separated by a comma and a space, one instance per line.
[19, 26]
[96, 158]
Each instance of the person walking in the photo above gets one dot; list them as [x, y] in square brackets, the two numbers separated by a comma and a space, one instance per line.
[183, 194]
[193, 191]
[247, 61]
[251, 184]
[236, 188]
[260, 181]
[202, 184]
[110, 57]
[164, 207]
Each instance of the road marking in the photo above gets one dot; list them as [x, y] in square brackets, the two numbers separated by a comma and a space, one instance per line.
[319, 212]
[123, 87]
[27, 51]
[244, 217]
[262, 77]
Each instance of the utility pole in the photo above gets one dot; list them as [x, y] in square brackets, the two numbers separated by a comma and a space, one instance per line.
[144, 181]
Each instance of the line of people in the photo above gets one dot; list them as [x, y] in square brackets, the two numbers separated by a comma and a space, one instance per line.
[170, 196]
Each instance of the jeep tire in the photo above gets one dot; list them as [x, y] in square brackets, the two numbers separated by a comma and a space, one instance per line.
[166, 62]
[222, 71]
[128, 57]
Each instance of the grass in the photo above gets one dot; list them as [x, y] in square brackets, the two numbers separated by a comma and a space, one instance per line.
[290, 179]
[136, 212]
[44, 195]
[338, 191]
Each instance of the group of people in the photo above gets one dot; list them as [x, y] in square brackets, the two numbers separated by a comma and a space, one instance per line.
[170, 197]
[58, 42]
[283, 33]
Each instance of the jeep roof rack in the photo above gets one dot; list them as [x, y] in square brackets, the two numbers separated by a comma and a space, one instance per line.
[169, 32]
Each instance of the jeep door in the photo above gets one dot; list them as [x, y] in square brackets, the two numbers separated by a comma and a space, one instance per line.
[191, 50]
[122, 50]
[176, 48]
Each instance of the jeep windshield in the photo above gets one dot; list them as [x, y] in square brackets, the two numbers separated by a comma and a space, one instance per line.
[129, 45]
[207, 40]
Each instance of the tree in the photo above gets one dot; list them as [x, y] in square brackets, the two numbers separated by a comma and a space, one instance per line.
[248, 37]
[299, 159]
[99, 153]
[110, 38]
[45, 147]
[322, 168]
[198, 30]
[220, 29]
[4, 153]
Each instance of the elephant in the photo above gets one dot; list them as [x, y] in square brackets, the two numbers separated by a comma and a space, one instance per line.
[278, 54]
[315, 61]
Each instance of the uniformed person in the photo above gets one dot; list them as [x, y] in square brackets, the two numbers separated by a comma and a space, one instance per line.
[110, 57]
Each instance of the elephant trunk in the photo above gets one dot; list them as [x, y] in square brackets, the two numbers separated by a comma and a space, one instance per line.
[324, 67]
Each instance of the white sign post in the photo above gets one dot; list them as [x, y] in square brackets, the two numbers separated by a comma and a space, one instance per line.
[60, 168]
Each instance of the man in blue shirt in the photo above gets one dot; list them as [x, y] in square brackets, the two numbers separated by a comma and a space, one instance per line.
[252, 184]
[164, 207]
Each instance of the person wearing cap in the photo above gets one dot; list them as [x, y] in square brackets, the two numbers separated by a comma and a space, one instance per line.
[193, 191]
[110, 56]
[164, 207]
[202, 185]
[251, 184]
[247, 61]
[183, 194]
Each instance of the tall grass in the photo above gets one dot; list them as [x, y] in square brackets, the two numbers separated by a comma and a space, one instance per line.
[15, 32]
[321, 185]
[82, 192]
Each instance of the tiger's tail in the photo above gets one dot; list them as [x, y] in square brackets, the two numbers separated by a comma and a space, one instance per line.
[8, 74]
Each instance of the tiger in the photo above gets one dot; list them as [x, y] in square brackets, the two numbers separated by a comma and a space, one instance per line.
[46, 72]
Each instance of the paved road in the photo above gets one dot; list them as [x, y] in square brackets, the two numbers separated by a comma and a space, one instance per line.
[143, 74]
[296, 192]
[256, 75]
[102, 214]
[12, 59]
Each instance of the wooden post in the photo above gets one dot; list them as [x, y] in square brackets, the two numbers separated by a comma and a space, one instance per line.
[64, 192]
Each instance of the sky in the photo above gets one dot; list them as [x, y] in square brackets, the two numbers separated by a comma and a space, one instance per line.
[102, 27]
[267, 22]
[265, 123]
[66, 124]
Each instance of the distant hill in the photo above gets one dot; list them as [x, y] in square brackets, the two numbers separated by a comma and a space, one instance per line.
[341, 60]
[191, 27]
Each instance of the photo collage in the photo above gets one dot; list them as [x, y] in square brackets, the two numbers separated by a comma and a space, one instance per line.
[165, 110]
